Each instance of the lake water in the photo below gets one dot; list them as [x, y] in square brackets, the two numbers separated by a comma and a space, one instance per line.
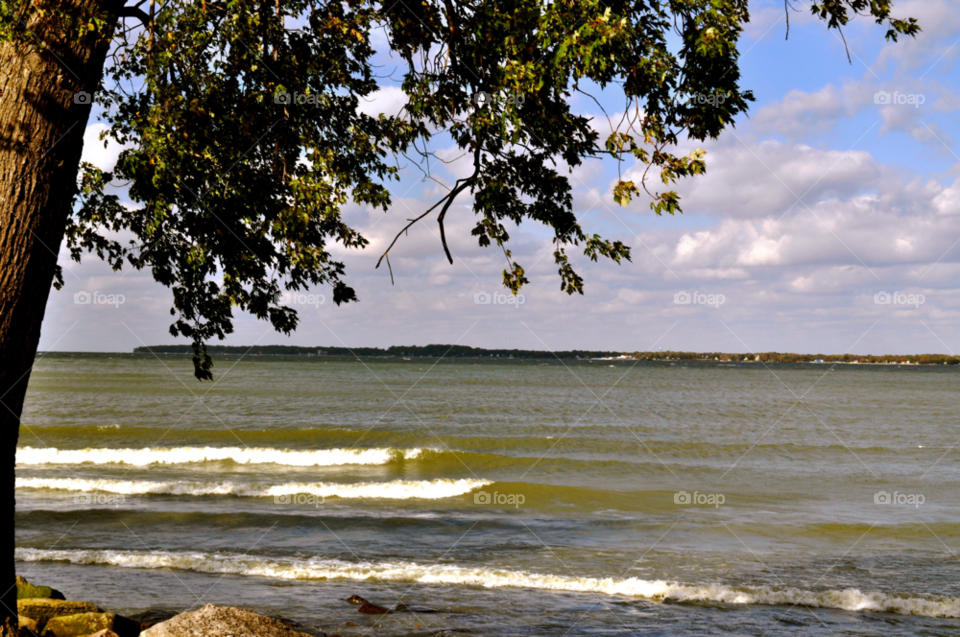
[520, 497]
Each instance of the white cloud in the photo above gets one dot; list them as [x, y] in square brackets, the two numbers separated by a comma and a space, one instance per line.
[802, 114]
[101, 153]
[947, 201]
[935, 46]
[748, 179]
[388, 100]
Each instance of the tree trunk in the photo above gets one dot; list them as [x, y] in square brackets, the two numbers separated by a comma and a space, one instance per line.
[42, 121]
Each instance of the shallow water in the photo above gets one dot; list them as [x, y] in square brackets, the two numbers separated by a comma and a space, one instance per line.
[524, 497]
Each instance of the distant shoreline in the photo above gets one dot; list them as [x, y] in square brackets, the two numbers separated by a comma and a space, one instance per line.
[466, 352]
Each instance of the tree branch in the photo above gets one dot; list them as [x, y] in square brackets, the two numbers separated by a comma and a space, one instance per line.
[453, 195]
[443, 213]
[447, 200]
[134, 12]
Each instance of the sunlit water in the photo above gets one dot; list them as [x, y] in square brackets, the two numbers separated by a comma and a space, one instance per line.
[521, 497]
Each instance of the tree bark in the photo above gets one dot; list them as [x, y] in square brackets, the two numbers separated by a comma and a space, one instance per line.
[43, 115]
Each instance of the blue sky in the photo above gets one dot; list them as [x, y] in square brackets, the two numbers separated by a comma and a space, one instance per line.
[817, 204]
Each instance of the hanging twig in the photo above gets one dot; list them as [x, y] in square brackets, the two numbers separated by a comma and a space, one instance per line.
[447, 200]
[786, 10]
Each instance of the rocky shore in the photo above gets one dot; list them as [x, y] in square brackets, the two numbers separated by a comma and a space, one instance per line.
[45, 612]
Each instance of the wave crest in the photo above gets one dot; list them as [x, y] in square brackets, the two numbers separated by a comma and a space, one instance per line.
[850, 599]
[393, 490]
[186, 455]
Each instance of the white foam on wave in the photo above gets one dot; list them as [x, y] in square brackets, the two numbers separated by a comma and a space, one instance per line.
[184, 455]
[658, 590]
[393, 490]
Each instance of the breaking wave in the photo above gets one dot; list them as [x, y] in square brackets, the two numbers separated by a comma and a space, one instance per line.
[184, 455]
[850, 599]
[393, 490]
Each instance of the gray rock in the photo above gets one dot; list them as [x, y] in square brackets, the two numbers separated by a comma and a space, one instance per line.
[221, 621]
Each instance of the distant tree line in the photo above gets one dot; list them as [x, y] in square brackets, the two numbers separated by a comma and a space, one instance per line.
[430, 351]
[464, 351]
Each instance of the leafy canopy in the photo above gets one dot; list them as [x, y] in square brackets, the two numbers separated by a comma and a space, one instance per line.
[244, 140]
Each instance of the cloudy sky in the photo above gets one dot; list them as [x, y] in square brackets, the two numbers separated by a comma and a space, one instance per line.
[827, 222]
